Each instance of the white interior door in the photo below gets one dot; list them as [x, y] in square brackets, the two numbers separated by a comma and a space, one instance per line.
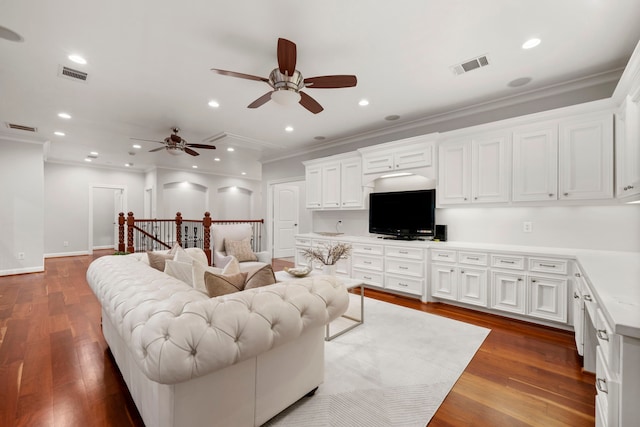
[118, 206]
[285, 219]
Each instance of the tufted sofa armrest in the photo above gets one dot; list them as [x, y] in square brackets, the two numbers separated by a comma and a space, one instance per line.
[176, 333]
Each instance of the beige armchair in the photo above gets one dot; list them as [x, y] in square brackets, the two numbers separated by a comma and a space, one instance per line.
[236, 233]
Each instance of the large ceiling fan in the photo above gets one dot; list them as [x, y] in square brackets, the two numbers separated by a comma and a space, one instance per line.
[175, 144]
[287, 82]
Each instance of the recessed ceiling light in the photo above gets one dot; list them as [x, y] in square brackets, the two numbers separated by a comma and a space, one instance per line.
[87, 160]
[531, 43]
[64, 115]
[137, 146]
[58, 133]
[217, 159]
[128, 164]
[214, 104]
[230, 149]
[195, 166]
[244, 173]
[289, 129]
[392, 117]
[94, 153]
[77, 59]
[363, 103]
[519, 82]
[10, 35]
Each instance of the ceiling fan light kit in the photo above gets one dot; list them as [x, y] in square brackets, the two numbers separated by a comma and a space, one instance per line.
[287, 82]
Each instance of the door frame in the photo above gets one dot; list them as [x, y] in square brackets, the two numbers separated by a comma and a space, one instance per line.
[92, 187]
[270, 206]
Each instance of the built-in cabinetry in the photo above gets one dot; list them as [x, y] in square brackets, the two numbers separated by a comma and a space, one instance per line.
[343, 266]
[335, 182]
[628, 148]
[569, 159]
[475, 169]
[459, 276]
[415, 155]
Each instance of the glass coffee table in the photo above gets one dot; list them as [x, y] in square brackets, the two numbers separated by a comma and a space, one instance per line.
[348, 320]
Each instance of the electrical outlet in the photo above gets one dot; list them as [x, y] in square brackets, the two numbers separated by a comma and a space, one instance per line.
[527, 227]
[65, 243]
[21, 255]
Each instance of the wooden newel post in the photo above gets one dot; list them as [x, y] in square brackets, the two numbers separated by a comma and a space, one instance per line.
[178, 230]
[206, 226]
[121, 222]
[130, 223]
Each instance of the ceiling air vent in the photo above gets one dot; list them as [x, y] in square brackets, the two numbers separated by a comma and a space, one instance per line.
[470, 65]
[70, 73]
[22, 127]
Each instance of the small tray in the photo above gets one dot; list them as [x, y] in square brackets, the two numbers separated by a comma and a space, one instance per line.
[297, 271]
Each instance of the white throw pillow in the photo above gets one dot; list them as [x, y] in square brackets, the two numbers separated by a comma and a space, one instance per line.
[232, 267]
[182, 271]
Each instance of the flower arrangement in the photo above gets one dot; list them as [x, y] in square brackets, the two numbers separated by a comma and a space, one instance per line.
[327, 254]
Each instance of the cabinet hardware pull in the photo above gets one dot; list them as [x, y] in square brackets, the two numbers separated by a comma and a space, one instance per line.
[366, 262]
[462, 272]
[367, 277]
[475, 198]
[403, 267]
[576, 296]
[367, 249]
[625, 188]
[473, 258]
[550, 194]
[566, 194]
[548, 265]
[534, 281]
[602, 334]
[601, 385]
[402, 284]
[507, 262]
[443, 255]
[630, 187]
[465, 198]
[577, 275]
[403, 252]
[588, 298]
[452, 270]
[519, 279]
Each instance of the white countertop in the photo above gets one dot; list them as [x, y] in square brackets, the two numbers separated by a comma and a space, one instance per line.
[613, 276]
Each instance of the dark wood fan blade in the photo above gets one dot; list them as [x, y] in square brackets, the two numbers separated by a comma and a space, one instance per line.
[330, 82]
[175, 138]
[240, 75]
[309, 103]
[210, 147]
[157, 149]
[260, 101]
[287, 56]
[148, 140]
[190, 151]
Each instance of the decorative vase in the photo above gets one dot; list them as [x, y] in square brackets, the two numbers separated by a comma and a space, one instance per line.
[329, 269]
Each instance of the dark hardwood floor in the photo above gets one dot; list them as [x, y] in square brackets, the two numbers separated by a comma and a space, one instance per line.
[55, 369]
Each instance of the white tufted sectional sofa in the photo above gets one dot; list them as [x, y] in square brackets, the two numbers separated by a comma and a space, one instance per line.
[191, 360]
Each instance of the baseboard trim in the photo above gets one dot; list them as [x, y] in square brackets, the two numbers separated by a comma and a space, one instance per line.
[64, 254]
[97, 248]
[37, 269]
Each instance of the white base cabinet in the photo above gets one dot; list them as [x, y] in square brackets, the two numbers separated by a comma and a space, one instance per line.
[459, 276]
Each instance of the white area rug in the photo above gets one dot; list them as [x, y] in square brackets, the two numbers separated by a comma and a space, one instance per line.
[393, 370]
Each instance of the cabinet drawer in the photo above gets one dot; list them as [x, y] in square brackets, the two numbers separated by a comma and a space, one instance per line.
[607, 340]
[472, 258]
[407, 253]
[404, 267]
[512, 262]
[368, 277]
[367, 262]
[363, 248]
[607, 390]
[546, 265]
[443, 255]
[416, 158]
[303, 241]
[404, 284]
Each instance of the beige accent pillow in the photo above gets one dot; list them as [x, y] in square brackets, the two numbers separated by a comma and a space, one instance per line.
[218, 284]
[199, 269]
[241, 249]
[182, 271]
[157, 259]
[261, 277]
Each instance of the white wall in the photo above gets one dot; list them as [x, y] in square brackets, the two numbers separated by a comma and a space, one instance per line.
[21, 207]
[66, 203]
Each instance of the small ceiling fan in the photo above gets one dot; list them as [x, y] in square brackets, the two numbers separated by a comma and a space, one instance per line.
[175, 144]
[287, 82]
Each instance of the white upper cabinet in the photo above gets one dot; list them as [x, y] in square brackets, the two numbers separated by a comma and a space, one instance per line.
[585, 158]
[414, 154]
[474, 170]
[535, 163]
[335, 182]
[628, 149]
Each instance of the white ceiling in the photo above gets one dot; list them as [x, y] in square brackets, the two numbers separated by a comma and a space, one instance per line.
[149, 67]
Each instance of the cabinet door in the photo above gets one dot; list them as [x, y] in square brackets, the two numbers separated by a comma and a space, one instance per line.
[535, 164]
[578, 318]
[491, 167]
[453, 174]
[507, 292]
[377, 163]
[351, 185]
[414, 158]
[547, 298]
[586, 158]
[443, 281]
[628, 149]
[313, 180]
[331, 186]
[472, 286]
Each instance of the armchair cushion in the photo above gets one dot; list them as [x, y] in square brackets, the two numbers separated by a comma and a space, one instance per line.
[241, 249]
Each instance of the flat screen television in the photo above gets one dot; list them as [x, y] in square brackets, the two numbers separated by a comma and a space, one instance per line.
[403, 214]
